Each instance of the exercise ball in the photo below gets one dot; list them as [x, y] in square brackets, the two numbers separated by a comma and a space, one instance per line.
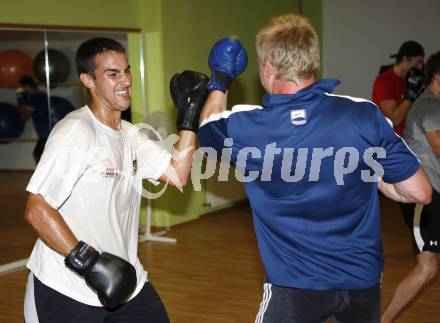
[59, 108]
[11, 123]
[59, 66]
[13, 65]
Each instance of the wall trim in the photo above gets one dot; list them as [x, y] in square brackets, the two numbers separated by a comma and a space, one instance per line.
[36, 27]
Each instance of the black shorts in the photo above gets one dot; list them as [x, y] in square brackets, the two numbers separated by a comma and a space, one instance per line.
[52, 306]
[424, 224]
[293, 305]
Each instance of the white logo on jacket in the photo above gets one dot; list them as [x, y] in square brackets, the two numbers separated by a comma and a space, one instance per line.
[298, 117]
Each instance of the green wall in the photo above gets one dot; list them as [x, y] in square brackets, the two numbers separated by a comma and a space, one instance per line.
[198, 24]
[176, 35]
[98, 13]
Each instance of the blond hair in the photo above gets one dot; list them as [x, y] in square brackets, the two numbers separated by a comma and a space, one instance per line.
[291, 45]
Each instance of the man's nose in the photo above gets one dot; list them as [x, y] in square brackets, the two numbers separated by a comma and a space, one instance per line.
[125, 78]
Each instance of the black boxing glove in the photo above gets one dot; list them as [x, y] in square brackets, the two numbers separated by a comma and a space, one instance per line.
[414, 81]
[113, 278]
[189, 93]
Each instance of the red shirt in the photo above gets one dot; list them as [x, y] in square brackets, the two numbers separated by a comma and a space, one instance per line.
[388, 86]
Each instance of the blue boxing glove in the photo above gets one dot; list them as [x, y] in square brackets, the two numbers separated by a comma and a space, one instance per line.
[227, 60]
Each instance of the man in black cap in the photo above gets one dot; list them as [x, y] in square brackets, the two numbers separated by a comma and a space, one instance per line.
[396, 88]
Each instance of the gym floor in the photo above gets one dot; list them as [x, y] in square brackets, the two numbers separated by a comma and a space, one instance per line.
[213, 274]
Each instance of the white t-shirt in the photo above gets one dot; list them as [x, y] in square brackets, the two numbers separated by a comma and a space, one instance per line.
[93, 175]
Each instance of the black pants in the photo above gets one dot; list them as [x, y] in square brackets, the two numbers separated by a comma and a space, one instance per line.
[293, 305]
[54, 307]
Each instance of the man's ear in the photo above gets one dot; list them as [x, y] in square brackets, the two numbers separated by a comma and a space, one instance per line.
[268, 70]
[87, 80]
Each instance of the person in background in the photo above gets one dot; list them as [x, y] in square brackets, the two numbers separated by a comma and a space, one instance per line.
[422, 134]
[395, 89]
[33, 103]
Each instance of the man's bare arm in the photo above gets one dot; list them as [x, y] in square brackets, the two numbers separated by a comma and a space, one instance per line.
[177, 172]
[49, 224]
[396, 114]
[216, 103]
[416, 189]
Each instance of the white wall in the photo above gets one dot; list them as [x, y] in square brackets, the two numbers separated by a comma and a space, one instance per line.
[359, 36]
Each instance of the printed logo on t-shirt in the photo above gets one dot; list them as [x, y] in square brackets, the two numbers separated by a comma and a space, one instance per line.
[110, 172]
[298, 117]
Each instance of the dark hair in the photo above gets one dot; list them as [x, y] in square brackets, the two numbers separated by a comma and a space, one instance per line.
[409, 48]
[432, 67]
[27, 80]
[88, 50]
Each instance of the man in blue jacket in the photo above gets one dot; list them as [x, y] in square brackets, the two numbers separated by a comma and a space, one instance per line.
[312, 162]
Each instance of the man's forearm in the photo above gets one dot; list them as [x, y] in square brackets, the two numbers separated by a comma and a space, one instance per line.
[400, 113]
[416, 189]
[50, 225]
[216, 103]
[184, 149]
[389, 191]
[183, 154]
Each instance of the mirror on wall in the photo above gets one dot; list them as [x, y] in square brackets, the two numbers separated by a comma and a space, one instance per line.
[39, 85]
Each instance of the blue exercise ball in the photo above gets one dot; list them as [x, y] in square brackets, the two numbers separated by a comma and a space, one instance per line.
[59, 108]
[59, 66]
[11, 123]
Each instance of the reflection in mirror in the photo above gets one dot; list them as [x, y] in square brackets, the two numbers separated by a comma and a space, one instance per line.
[18, 138]
[27, 117]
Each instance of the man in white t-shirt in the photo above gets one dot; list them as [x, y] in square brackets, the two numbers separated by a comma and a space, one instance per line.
[85, 197]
